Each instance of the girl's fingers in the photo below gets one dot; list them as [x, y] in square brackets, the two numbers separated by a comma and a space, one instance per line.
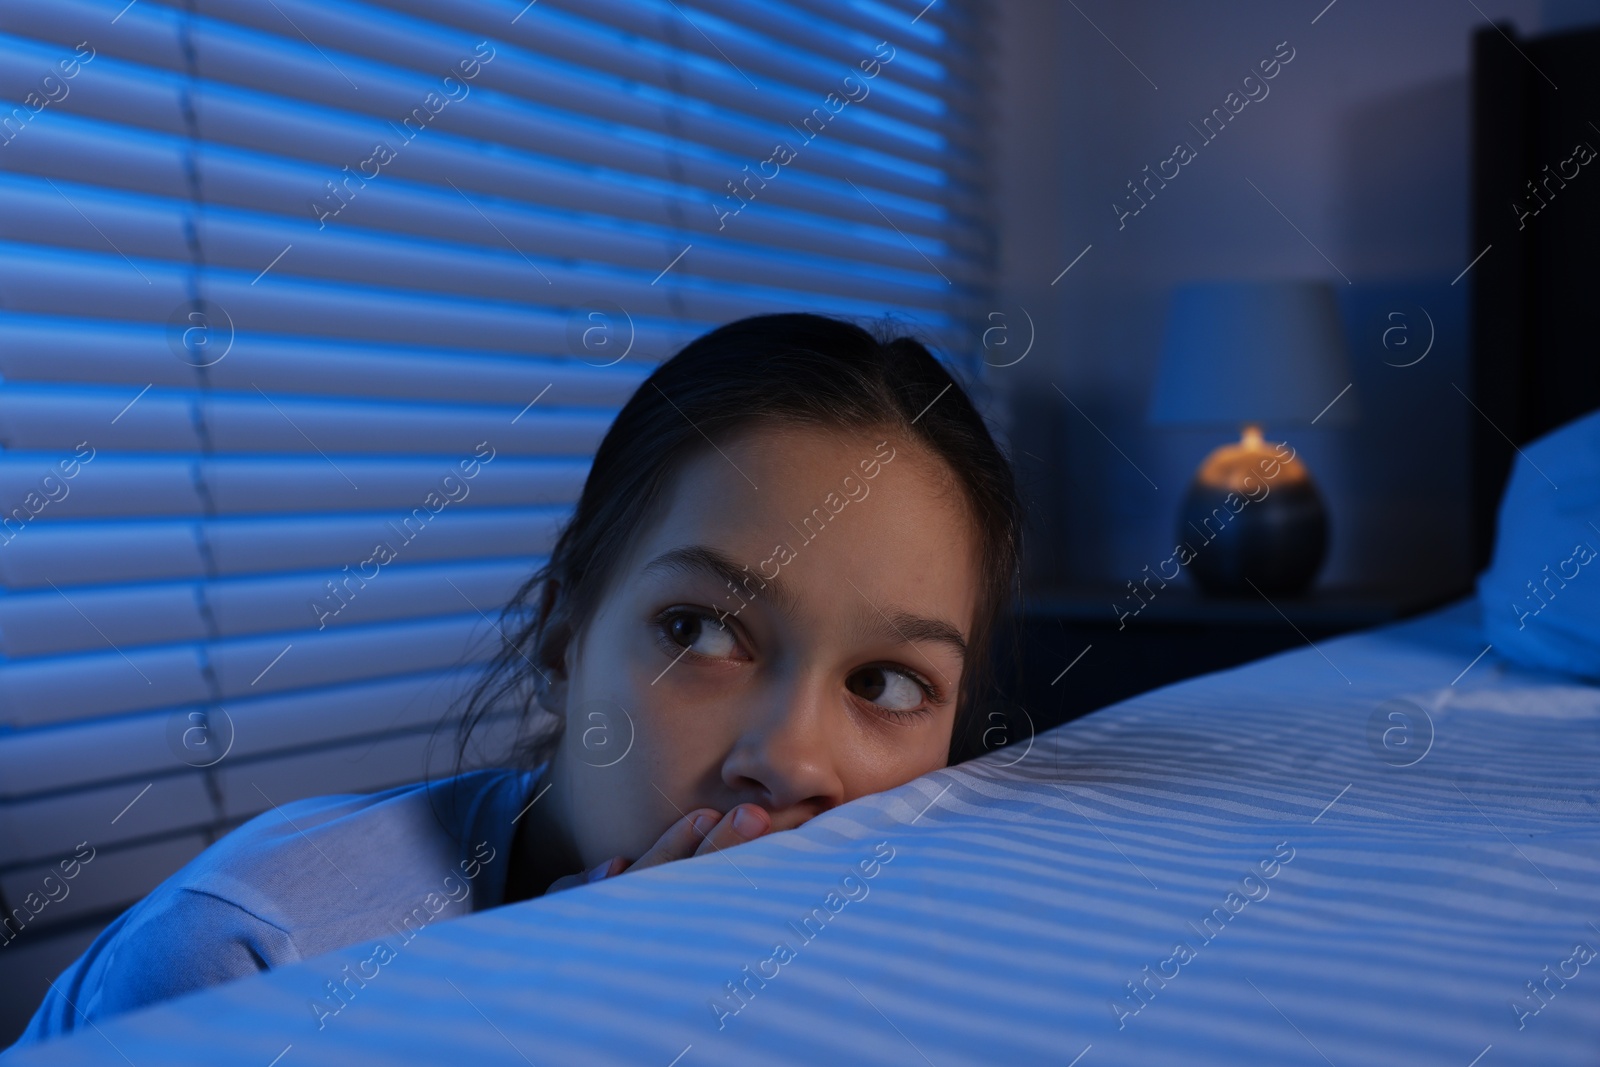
[614, 865]
[681, 838]
[701, 831]
[744, 823]
[569, 882]
[609, 869]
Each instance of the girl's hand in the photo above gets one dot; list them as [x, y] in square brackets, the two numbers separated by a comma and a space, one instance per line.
[701, 831]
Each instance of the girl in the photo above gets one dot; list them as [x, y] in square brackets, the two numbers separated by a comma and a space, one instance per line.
[776, 595]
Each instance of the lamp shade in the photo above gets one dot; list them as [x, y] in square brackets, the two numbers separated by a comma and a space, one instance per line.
[1252, 352]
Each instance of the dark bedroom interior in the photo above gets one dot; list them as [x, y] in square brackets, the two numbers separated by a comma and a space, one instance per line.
[799, 531]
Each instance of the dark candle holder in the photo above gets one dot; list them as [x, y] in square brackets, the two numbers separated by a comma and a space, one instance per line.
[1254, 521]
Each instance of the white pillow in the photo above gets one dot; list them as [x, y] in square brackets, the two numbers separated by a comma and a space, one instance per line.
[1541, 593]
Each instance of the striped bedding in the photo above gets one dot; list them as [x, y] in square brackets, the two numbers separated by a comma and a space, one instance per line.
[1376, 851]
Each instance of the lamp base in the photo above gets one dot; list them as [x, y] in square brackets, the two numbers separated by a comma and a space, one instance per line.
[1250, 530]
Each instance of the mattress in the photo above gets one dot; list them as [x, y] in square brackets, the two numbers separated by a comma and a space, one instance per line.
[1383, 849]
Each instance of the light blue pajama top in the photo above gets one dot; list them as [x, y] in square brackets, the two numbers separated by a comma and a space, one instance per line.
[309, 877]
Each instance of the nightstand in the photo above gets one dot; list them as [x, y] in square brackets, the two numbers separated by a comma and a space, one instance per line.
[1079, 652]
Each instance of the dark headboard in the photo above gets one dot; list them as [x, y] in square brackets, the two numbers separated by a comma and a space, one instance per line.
[1536, 293]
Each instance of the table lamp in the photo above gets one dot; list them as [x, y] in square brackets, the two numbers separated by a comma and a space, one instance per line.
[1252, 356]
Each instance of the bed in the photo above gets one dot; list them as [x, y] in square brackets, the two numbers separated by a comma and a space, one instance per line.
[1382, 850]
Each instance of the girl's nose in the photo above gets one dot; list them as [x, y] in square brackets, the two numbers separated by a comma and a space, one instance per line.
[784, 755]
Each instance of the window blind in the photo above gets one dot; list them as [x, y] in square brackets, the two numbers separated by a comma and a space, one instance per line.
[312, 313]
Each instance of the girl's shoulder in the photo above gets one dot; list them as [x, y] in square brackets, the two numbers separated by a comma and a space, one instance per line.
[322, 868]
[300, 879]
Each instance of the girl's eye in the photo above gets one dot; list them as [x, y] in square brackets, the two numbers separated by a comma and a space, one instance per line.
[701, 634]
[890, 689]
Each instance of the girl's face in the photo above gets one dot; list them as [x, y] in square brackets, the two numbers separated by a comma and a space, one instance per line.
[789, 633]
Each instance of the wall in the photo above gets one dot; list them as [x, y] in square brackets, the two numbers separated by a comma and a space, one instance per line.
[1362, 145]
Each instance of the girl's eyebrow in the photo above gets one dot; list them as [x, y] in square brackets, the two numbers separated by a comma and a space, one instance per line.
[702, 559]
[909, 628]
[895, 623]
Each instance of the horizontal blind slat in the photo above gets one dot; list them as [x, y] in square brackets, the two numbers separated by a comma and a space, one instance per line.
[522, 99]
[110, 552]
[33, 556]
[516, 273]
[90, 152]
[243, 546]
[357, 654]
[359, 593]
[64, 689]
[77, 620]
[249, 789]
[442, 153]
[105, 87]
[46, 212]
[327, 310]
[61, 350]
[67, 620]
[143, 33]
[550, 214]
[44, 829]
[130, 750]
[110, 286]
[265, 424]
